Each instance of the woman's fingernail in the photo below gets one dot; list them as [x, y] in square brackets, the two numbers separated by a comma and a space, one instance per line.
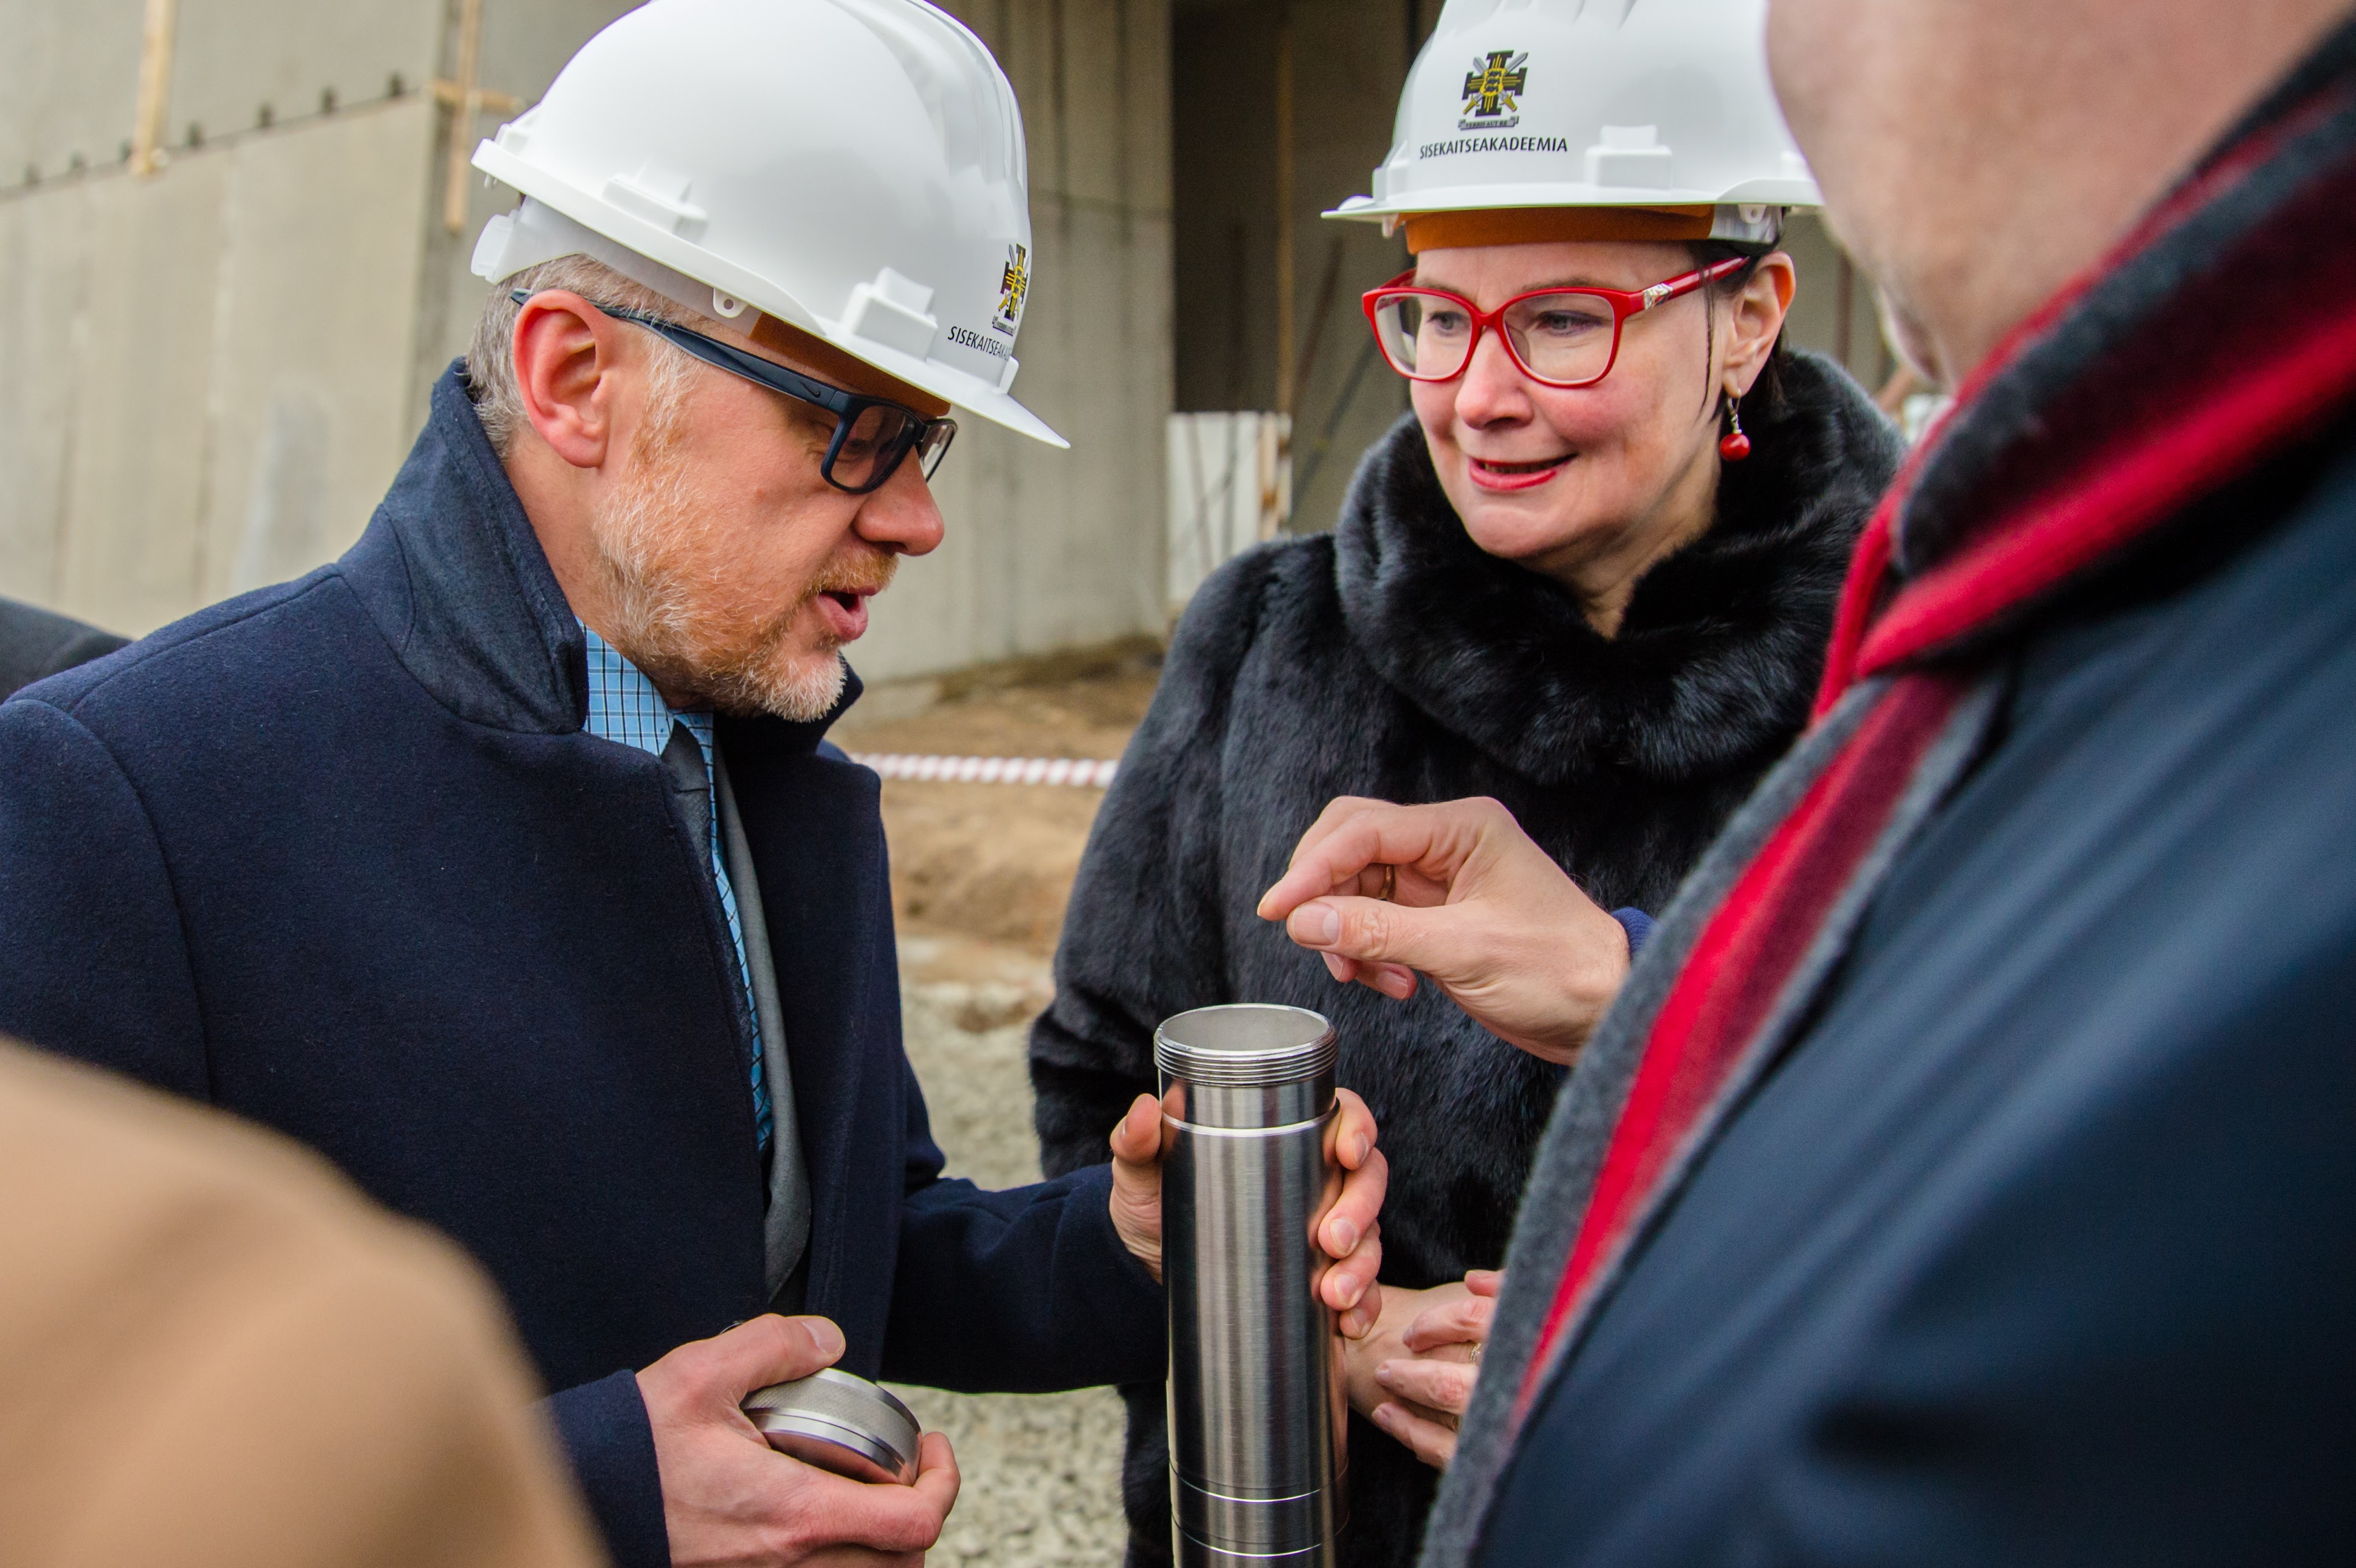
[1384, 1417]
[1362, 1144]
[1384, 1376]
[1345, 1238]
[1327, 924]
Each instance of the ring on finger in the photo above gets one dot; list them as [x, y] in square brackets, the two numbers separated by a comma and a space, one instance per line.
[1390, 884]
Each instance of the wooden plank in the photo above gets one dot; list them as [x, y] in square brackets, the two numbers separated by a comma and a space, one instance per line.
[465, 101]
[155, 87]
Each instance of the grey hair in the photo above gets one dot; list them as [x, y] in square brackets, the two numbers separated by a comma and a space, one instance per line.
[490, 359]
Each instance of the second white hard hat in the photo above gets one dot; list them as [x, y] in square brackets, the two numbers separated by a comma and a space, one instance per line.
[1662, 104]
[854, 168]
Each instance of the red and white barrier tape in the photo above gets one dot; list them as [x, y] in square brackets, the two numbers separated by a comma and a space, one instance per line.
[1085, 772]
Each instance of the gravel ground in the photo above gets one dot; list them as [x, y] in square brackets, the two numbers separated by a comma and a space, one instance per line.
[979, 874]
[1042, 1471]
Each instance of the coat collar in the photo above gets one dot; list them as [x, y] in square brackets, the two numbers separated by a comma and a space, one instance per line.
[1714, 665]
[453, 574]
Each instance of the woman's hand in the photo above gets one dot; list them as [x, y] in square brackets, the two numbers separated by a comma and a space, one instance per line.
[1424, 1376]
[1387, 1342]
[1473, 904]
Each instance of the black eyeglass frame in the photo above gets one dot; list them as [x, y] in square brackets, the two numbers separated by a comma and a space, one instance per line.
[845, 406]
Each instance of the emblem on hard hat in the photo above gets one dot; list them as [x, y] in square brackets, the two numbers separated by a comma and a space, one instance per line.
[1012, 283]
[1490, 91]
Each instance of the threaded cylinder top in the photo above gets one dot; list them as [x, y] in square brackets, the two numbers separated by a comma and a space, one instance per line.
[1246, 1045]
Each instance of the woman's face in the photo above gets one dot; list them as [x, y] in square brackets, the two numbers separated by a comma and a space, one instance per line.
[1591, 485]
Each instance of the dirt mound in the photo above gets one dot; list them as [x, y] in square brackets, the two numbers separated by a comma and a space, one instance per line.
[995, 862]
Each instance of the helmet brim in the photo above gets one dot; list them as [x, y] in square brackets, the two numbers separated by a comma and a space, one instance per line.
[960, 388]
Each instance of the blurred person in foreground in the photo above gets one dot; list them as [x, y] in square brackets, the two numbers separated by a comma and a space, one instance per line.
[504, 860]
[1965, 1173]
[1591, 574]
[220, 1356]
[35, 644]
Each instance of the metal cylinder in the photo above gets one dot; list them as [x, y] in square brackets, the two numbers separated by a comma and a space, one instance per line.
[1257, 1399]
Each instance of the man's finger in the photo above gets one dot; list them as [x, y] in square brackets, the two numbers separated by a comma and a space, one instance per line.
[1485, 1281]
[1464, 1321]
[884, 1516]
[1352, 1136]
[1439, 1385]
[1433, 1444]
[1393, 980]
[767, 1350]
[1339, 812]
[1348, 1286]
[1341, 809]
[1137, 1137]
[1369, 833]
[1371, 932]
[1358, 1321]
[1435, 841]
[938, 1482]
[1356, 1207]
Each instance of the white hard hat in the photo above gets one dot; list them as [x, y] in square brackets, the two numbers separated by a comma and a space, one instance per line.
[1660, 104]
[852, 167]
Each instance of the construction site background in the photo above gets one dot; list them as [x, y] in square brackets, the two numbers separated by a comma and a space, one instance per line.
[234, 237]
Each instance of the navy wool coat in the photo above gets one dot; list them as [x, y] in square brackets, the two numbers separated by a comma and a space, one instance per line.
[337, 855]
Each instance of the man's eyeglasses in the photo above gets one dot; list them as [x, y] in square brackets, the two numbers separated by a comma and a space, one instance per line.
[872, 436]
[1557, 337]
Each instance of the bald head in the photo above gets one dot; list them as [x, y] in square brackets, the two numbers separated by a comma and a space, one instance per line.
[1976, 154]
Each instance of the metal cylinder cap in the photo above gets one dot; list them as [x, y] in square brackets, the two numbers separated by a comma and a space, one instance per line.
[838, 1421]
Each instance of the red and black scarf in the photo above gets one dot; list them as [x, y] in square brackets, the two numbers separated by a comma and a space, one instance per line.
[2218, 339]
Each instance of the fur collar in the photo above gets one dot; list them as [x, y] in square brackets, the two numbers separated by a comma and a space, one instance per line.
[1719, 653]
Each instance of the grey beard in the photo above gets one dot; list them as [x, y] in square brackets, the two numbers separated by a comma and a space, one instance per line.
[801, 694]
[654, 616]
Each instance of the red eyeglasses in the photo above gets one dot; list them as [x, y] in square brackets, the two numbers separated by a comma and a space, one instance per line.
[1557, 337]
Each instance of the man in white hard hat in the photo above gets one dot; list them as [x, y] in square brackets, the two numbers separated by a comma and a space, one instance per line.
[504, 861]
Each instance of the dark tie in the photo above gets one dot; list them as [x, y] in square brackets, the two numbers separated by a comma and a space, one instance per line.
[683, 758]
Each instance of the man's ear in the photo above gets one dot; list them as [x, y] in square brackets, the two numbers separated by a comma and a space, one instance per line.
[566, 361]
[1759, 312]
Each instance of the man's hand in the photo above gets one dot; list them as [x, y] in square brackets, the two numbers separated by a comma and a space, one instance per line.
[1348, 1231]
[1429, 1388]
[1476, 906]
[729, 1498]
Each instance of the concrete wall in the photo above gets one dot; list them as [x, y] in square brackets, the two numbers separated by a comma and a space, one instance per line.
[1050, 549]
[196, 399]
[212, 375]
[1350, 58]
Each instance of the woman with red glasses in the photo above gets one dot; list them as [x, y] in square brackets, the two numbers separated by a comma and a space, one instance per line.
[1591, 575]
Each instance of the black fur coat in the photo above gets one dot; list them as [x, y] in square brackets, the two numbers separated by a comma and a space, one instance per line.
[1394, 659]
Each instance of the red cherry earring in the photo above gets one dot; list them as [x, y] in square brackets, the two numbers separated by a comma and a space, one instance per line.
[1733, 446]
